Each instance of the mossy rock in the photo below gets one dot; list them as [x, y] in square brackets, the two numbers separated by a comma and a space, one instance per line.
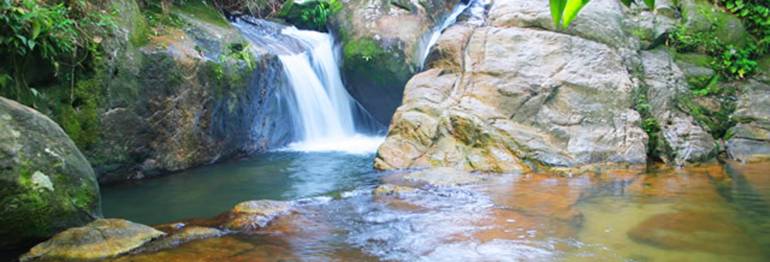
[46, 184]
[703, 16]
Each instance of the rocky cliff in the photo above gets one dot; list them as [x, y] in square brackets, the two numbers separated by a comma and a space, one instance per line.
[515, 94]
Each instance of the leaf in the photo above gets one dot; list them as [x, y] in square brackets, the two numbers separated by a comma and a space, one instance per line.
[557, 9]
[571, 11]
[627, 2]
[650, 3]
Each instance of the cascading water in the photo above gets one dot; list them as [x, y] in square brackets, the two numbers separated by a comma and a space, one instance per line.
[323, 105]
[426, 43]
[319, 106]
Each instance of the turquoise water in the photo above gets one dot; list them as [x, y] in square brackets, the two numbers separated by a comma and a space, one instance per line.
[208, 191]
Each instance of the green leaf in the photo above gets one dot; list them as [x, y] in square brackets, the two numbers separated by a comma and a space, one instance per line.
[627, 2]
[571, 10]
[650, 3]
[557, 9]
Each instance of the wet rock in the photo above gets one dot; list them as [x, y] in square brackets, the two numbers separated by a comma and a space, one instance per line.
[393, 190]
[185, 235]
[46, 184]
[229, 248]
[100, 239]
[381, 43]
[694, 231]
[682, 139]
[749, 140]
[517, 97]
[185, 96]
[443, 177]
[252, 215]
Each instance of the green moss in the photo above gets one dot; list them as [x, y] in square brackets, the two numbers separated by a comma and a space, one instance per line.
[203, 11]
[364, 58]
[650, 125]
[80, 118]
[716, 122]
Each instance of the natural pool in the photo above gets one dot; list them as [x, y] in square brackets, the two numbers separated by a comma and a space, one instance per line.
[706, 213]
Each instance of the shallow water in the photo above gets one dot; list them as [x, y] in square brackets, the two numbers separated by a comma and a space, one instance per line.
[709, 213]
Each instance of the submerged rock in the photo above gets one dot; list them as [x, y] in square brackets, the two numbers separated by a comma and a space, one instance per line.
[749, 140]
[46, 184]
[694, 231]
[256, 214]
[393, 190]
[185, 235]
[443, 177]
[103, 238]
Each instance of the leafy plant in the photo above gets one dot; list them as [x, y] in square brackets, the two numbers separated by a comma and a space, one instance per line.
[564, 12]
[310, 15]
[756, 16]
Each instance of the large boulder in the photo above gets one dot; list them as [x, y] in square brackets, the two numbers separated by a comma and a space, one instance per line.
[506, 97]
[183, 96]
[46, 184]
[749, 140]
[382, 43]
[103, 238]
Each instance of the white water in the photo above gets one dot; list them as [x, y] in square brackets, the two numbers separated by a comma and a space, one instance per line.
[436, 33]
[323, 107]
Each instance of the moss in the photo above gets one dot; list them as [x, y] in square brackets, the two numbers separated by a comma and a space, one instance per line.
[203, 11]
[650, 125]
[364, 58]
[716, 122]
[694, 59]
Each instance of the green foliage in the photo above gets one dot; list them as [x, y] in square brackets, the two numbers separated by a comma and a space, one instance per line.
[310, 15]
[756, 16]
[54, 52]
[649, 123]
[564, 12]
[202, 10]
[730, 61]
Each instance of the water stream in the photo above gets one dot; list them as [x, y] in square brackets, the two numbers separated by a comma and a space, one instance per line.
[429, 40]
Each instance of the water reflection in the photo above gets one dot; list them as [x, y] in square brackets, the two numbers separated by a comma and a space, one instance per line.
[208, 191]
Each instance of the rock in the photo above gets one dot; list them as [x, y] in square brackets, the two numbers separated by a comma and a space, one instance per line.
[393, 190]
[46, 184]
[749, 140]
[703, 16]
[601, 20]
[682, 139]
[252, 215]
[185, 235]
[183, 98]
[514, 97]
[443, 177]
[381, 42]
[103, 238]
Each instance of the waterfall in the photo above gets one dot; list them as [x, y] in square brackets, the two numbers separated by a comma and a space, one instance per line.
[324, 109]
[427, 42]
[319, 107]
